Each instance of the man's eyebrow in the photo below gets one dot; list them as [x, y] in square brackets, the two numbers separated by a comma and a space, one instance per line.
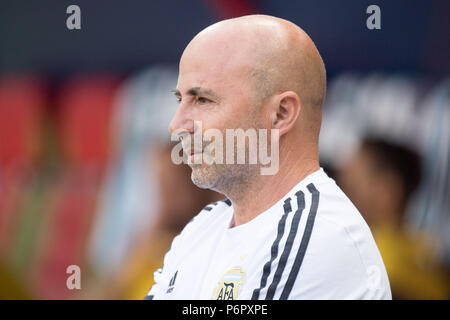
[196, 91]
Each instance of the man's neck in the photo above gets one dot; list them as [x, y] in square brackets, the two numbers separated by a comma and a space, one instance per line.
[265, 190]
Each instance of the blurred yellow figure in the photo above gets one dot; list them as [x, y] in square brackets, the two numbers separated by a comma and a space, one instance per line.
[380, 179]
[138, 274]
[412, 265]
[11, 287]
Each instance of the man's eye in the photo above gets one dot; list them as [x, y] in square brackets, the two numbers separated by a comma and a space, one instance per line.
[178, 99]
[202, 100]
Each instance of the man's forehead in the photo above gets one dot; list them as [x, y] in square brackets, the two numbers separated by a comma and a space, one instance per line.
[211, 76]
[215, 54]
[209, 62]
[216, 64]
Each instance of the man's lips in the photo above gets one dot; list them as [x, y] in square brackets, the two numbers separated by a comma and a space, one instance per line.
[194, 156]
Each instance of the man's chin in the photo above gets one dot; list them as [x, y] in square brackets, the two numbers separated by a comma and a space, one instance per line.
[202, 179]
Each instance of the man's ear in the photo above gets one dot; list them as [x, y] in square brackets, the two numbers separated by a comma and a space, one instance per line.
[286, 111]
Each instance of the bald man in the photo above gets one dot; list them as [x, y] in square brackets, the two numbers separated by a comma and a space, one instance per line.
[292, 234]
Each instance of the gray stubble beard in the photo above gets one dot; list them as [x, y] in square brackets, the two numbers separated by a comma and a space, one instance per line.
[228, 179]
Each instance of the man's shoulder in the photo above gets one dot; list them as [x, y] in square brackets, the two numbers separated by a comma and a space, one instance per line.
[338, 221]
[331, 201]
[341, 247]
[337, 208]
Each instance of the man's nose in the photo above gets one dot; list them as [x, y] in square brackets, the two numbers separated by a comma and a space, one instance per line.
[181, 121]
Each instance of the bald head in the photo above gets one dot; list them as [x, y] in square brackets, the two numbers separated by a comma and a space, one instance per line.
[276, 54]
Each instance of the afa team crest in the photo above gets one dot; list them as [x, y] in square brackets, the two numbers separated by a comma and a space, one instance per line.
[228, 286]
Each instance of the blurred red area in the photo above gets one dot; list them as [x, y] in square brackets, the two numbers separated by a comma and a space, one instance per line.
[21, 102]
[49, 187]
[84, 122]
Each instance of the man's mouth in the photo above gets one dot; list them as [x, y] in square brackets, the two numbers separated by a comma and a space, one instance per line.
[193, 156]
[193, 151]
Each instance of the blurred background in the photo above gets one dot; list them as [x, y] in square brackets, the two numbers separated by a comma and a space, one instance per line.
[85, 171]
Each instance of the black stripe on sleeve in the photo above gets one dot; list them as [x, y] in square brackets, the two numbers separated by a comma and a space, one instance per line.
[304, 243]
[149, 297]
[274, 249]
[172, 280]
[288, 246]
[227, 201]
